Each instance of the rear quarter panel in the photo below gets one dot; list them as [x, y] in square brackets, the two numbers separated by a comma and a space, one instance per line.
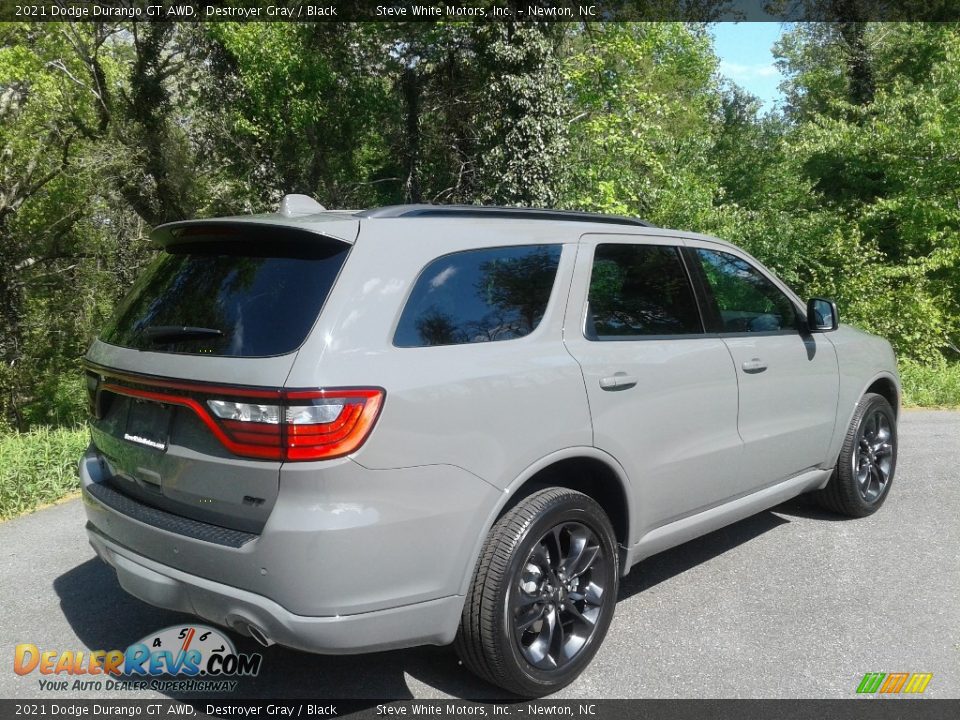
[491, 408]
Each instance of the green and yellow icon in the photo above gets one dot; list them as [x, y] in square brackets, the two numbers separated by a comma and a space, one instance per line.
[893, 683]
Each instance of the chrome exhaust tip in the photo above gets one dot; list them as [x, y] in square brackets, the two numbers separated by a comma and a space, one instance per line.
[258, 635]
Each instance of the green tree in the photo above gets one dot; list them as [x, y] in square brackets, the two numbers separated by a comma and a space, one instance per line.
[885, 167]
[521, 128]
[644, 97]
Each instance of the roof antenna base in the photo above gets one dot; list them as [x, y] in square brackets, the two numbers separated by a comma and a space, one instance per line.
[298, 205]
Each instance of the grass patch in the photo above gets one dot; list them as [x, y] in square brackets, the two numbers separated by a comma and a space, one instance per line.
[930, 385]
[38, 467]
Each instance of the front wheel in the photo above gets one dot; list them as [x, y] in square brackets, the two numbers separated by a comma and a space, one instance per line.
[543, 594]
[868, 459]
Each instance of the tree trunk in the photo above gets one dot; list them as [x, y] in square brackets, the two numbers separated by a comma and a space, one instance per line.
[411, 95]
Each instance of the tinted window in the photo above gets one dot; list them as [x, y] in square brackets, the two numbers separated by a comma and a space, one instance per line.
[746, 300]
[638, 290]
[237, 299]
[479, 296]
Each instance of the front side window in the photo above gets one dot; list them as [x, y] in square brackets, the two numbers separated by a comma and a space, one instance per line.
[479, 296]
[640, 290]
[745, 299]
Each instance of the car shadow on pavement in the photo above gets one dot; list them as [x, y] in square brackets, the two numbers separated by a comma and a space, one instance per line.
[105, 617]
[670, 563]
[805, 506]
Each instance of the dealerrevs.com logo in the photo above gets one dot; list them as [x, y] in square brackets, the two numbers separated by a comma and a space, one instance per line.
[192, 658]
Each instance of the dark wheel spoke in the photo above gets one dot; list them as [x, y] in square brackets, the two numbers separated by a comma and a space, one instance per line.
[594, 594]
[528, 617]
[558, 638]
[885, 463]
[572, 608]
[540, 557]
[522, 600]
[538, 652]
[581, 556]
[883, 429]
[554, 547]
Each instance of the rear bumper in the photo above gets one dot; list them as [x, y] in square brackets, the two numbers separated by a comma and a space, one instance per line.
[350, 559]
[428, 623]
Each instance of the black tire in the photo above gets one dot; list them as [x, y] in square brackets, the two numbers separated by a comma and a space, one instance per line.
[513, 582]
[865, 447]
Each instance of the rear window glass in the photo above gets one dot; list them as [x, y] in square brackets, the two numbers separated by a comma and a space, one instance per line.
[479, 296]
[238, 299]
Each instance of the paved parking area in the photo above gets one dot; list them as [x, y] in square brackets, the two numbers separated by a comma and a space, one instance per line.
[791, 602]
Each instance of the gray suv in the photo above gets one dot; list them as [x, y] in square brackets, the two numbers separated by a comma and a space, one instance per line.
[349, 431]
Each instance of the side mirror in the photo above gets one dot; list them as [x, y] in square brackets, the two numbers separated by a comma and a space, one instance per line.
[822, 315]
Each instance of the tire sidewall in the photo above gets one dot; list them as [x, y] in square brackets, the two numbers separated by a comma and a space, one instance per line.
[567, 509]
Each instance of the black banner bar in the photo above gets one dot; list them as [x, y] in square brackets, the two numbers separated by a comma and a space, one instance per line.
[855, 709]
[478, 10]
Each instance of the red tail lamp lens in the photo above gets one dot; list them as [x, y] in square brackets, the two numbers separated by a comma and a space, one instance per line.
[329, 425]
[308, 424]
[271, 424]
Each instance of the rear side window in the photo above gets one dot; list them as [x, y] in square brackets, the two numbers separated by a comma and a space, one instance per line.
[640, 290]
[479, 296]
[238, 299]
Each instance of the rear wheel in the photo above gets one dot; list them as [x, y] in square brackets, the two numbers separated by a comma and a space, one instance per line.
[543, 594]
[868, 459]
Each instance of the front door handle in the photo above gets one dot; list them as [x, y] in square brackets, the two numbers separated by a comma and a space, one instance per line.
[754, 365]
[618, 381]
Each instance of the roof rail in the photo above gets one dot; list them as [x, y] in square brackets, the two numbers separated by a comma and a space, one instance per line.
[489, 211]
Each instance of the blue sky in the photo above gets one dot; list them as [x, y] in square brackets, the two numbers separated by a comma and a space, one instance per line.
[745, 57]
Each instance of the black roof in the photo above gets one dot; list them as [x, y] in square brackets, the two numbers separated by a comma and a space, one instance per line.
[490, 211]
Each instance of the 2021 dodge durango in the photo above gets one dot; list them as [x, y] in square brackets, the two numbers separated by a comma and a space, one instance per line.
[349, 431]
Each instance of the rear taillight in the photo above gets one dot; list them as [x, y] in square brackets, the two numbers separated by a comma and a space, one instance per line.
[307, 424]
[264, 423]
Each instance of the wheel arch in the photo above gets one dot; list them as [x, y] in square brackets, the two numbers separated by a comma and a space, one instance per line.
[883, 383]
[885, 386]
[585, 469]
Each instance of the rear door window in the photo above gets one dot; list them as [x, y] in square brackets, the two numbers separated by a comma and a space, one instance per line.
[236, 299]
[479, 296]
[638, 291]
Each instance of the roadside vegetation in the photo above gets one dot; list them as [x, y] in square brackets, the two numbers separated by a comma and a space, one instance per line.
[38, 467]
[926, 386]
[108, 129]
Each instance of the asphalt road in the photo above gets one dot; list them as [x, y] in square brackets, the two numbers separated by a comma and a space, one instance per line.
[792, 602]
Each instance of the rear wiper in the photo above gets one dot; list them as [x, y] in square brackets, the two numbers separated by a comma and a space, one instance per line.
[172, 333]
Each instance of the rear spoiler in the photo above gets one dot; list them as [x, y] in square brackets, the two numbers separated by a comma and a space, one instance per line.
[256, 229]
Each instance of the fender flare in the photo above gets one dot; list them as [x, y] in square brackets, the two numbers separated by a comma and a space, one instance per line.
[510, 491]
[841, 427]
